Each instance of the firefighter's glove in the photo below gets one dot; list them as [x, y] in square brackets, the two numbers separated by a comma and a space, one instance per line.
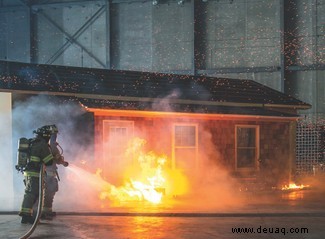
[60, 160]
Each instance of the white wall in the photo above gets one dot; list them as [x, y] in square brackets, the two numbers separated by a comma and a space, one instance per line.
[6, 154]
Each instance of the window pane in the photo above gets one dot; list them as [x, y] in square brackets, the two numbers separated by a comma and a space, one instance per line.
[245, 158]
[246, 137]
[184, 135]
[246, 147]
[117, 144]
[185, 159]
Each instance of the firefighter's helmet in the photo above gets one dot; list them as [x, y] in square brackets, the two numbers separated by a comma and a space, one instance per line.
[46, 131]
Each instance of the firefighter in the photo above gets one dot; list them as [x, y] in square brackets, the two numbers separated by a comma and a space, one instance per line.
[40, 153]
[51, 179]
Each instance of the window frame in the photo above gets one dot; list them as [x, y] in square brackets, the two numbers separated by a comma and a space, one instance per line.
[257, 148]
[174, 147]
[108, 125]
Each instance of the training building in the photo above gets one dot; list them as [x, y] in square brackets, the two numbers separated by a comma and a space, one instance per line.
[240, 125]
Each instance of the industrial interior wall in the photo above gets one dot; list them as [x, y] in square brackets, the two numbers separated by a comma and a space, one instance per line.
[132, 35]
[305, 77]
[150, 37]
[15, 34]
[242, 35]
[304, 44]
[309, 86]
[137, 35]
[240, 39]
[71, 35]
[216, 143]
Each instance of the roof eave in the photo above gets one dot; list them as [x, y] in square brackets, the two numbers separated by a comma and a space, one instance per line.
[147, 99]
[205, 116]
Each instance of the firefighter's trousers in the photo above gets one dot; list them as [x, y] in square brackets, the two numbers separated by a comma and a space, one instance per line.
[31, 195]
[51, 187]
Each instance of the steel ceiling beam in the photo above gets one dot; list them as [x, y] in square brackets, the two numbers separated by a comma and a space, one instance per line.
[312, 67]
[227, 70]
[60, 4]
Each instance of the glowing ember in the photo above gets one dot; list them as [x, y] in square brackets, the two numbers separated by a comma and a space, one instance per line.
[147, 179]
[293, 186]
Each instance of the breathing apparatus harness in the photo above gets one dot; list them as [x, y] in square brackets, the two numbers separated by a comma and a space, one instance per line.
[23, 155]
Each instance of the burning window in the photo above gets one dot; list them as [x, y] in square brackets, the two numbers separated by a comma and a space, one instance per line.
[115, 135]
[247, 146]
[185, 146]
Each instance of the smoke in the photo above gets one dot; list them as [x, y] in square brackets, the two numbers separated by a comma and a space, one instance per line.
[36, 111]
[79, 185]
[163, 104]
[212, 188]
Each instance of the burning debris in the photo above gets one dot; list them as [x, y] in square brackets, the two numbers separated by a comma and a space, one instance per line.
[147, 180]
[293, 186]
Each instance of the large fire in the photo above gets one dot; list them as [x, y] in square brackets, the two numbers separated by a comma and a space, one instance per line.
[148, 179]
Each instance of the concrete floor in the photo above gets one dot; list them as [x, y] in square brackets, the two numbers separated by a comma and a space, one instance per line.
[301, 215]
[187, 227]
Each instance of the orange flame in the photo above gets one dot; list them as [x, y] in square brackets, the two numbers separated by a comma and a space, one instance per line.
[292, 186]
[147, 179]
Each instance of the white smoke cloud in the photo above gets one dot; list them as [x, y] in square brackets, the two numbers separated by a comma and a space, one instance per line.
[163, 104]
[34, 112]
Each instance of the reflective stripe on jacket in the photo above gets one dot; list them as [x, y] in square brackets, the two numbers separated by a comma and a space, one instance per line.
[35, 159]
[31, 174]
[51, 174]
[26, 210]
[48, 158]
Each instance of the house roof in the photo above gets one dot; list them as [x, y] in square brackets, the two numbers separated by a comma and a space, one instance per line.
[116, 89]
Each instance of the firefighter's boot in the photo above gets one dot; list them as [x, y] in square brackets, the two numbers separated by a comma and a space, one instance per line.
[27, 219]
[47, 216]
[52, 214]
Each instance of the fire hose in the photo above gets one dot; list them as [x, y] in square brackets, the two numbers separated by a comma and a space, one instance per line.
[40, 204]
